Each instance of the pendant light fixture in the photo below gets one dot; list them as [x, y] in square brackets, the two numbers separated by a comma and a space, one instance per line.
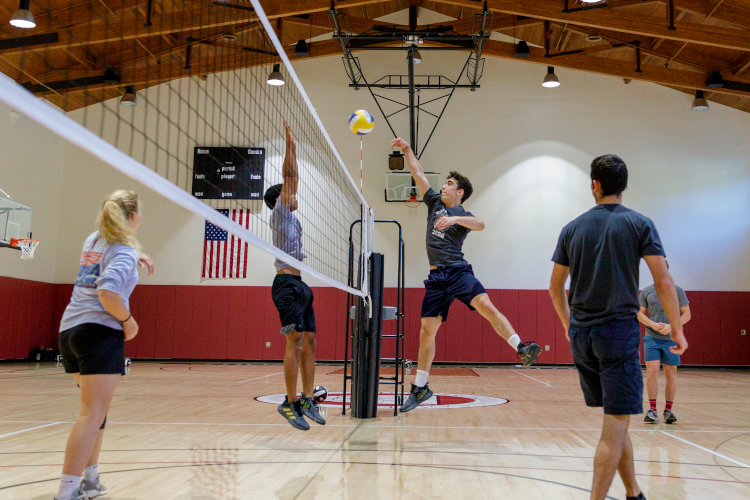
[129, 98]
[23, 18]
[550, 79]
[275, 77]
[700, 103]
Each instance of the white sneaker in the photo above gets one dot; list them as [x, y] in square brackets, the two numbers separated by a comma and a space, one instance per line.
[78, 495]
[93, 489]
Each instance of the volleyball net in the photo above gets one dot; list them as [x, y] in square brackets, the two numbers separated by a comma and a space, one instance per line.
[189, 98]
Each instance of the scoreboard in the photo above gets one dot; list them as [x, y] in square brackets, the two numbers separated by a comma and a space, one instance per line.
[221, 173]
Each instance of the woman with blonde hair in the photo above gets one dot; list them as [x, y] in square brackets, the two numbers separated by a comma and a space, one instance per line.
[93, 331]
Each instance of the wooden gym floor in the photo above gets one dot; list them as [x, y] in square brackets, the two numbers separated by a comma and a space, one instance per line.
[195, 431]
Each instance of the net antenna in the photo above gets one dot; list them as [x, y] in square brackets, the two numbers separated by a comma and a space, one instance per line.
[144, 92]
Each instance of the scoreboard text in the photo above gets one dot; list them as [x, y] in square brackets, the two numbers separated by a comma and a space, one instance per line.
[228, 173]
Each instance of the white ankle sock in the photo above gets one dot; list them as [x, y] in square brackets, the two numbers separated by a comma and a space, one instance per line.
[68, 486]
[90, 473]
[421, 378]
[514, 340]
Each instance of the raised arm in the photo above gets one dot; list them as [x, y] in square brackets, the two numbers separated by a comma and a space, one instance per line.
[667, 293]
[417, 172]
[289, 170]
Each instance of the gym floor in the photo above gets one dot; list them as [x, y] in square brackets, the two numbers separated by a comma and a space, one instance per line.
[196, 431]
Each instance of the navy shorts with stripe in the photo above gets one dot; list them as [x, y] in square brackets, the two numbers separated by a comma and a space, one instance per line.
[444, 285]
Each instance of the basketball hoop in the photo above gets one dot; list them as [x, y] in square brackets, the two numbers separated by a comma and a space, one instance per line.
[27, 246]
[412, 204]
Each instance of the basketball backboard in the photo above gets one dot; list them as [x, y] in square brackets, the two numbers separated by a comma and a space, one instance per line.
[398, 185]
[15, 221]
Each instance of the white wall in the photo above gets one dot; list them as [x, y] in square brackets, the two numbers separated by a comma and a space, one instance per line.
[527, 150]
[31, 169]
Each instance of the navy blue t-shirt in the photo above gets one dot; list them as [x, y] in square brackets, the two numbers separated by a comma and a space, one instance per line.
[603, 249]
[444, 246]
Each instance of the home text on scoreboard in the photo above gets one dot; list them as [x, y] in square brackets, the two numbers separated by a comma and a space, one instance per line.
[228, 173]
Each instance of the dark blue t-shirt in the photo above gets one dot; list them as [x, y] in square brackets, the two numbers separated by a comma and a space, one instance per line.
[444, 246]
[603, 249]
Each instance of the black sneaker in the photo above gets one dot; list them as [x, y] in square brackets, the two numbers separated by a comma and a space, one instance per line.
[418, 395]
[640, 496]
[651, 417]
[293, 413]
[310, 410]
[669, 417]
[529, 352]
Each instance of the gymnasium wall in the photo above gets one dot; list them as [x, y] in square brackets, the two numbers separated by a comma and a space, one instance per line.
[527, 151]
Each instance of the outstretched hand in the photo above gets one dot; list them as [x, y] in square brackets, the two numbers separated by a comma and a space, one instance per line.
[400, 144]
[289, 136]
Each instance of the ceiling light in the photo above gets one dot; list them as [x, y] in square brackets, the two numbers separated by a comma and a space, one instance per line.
[700, 103]
[550, 79]
[301, 49]
[23, 18]
[594, 37]
[275, 77]
[591, 1]
[229, 37]
[129, 99]
[715, 81]
[522, 50]
[417, 56]
[111, 76]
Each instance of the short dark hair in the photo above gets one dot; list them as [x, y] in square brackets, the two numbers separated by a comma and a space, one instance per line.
[272, 194]
[611, 172]
[463, 183]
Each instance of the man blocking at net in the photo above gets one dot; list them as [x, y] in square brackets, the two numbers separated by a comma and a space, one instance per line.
[292, 297]
[601, 252]
[451, 277]
[656, 351]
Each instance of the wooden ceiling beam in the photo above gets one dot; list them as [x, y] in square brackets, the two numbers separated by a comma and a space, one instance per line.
[727, 12]
[612, 67]
[618, 20]
[742, 64]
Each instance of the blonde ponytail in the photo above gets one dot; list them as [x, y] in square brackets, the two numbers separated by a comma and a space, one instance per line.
[113, 221]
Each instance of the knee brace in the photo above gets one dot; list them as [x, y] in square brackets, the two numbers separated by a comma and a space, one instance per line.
[104, 423]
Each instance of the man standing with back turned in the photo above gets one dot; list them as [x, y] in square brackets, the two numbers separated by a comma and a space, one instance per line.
[601, 251]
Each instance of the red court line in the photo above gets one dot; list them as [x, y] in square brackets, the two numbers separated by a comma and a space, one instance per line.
[189, 462]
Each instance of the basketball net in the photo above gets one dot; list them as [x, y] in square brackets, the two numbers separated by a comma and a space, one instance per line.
[412, 204]
[27, 247]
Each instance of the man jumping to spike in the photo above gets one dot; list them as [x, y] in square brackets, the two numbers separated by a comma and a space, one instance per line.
[451, 277]
[292, 297]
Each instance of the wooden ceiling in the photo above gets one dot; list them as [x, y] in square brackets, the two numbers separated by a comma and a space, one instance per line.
[76, 40]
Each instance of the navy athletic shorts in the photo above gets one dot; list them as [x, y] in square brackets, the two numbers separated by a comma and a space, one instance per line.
[609, 366]
[294, 301]
[445, 284]
[93, 349]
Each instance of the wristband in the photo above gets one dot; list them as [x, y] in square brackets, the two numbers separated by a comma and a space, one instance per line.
[126, 319]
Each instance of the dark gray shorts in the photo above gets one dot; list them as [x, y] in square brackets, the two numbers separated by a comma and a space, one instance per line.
[93, 349]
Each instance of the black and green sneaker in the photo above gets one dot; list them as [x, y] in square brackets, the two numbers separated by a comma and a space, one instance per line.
[293, 413]
[669, 417]
[528, 352]
[310, 410]
[418, 395]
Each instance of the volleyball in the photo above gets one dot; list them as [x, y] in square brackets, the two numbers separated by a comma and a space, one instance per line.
[320, 394]
[361, 122]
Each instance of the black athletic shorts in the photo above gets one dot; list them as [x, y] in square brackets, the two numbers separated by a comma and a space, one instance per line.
[93, 349]
[294, 301]
[445, 284]
[609, 366]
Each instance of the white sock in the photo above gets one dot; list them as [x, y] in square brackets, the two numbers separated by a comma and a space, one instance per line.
[421, 378]
[514, 340]
[90, 473]
[68, 486]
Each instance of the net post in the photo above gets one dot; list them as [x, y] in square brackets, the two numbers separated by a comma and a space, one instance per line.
[366, 344]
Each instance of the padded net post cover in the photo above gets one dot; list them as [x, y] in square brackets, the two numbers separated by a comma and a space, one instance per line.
[200, 74]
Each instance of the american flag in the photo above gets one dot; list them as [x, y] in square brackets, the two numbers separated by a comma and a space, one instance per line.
[225, 255]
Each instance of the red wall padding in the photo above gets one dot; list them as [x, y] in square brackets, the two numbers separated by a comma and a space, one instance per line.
[232, 322]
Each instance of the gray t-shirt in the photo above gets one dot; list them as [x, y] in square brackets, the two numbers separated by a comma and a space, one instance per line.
[102, 267]
[287, 233]
[444, 245]
[603, 249]
[650, 300]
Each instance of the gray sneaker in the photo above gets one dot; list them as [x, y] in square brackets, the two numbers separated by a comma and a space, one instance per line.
[310, 410]
[78, 495]
[651, 417]
[669, 417]
[528, 352]
[93, 489]
[418, 395]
